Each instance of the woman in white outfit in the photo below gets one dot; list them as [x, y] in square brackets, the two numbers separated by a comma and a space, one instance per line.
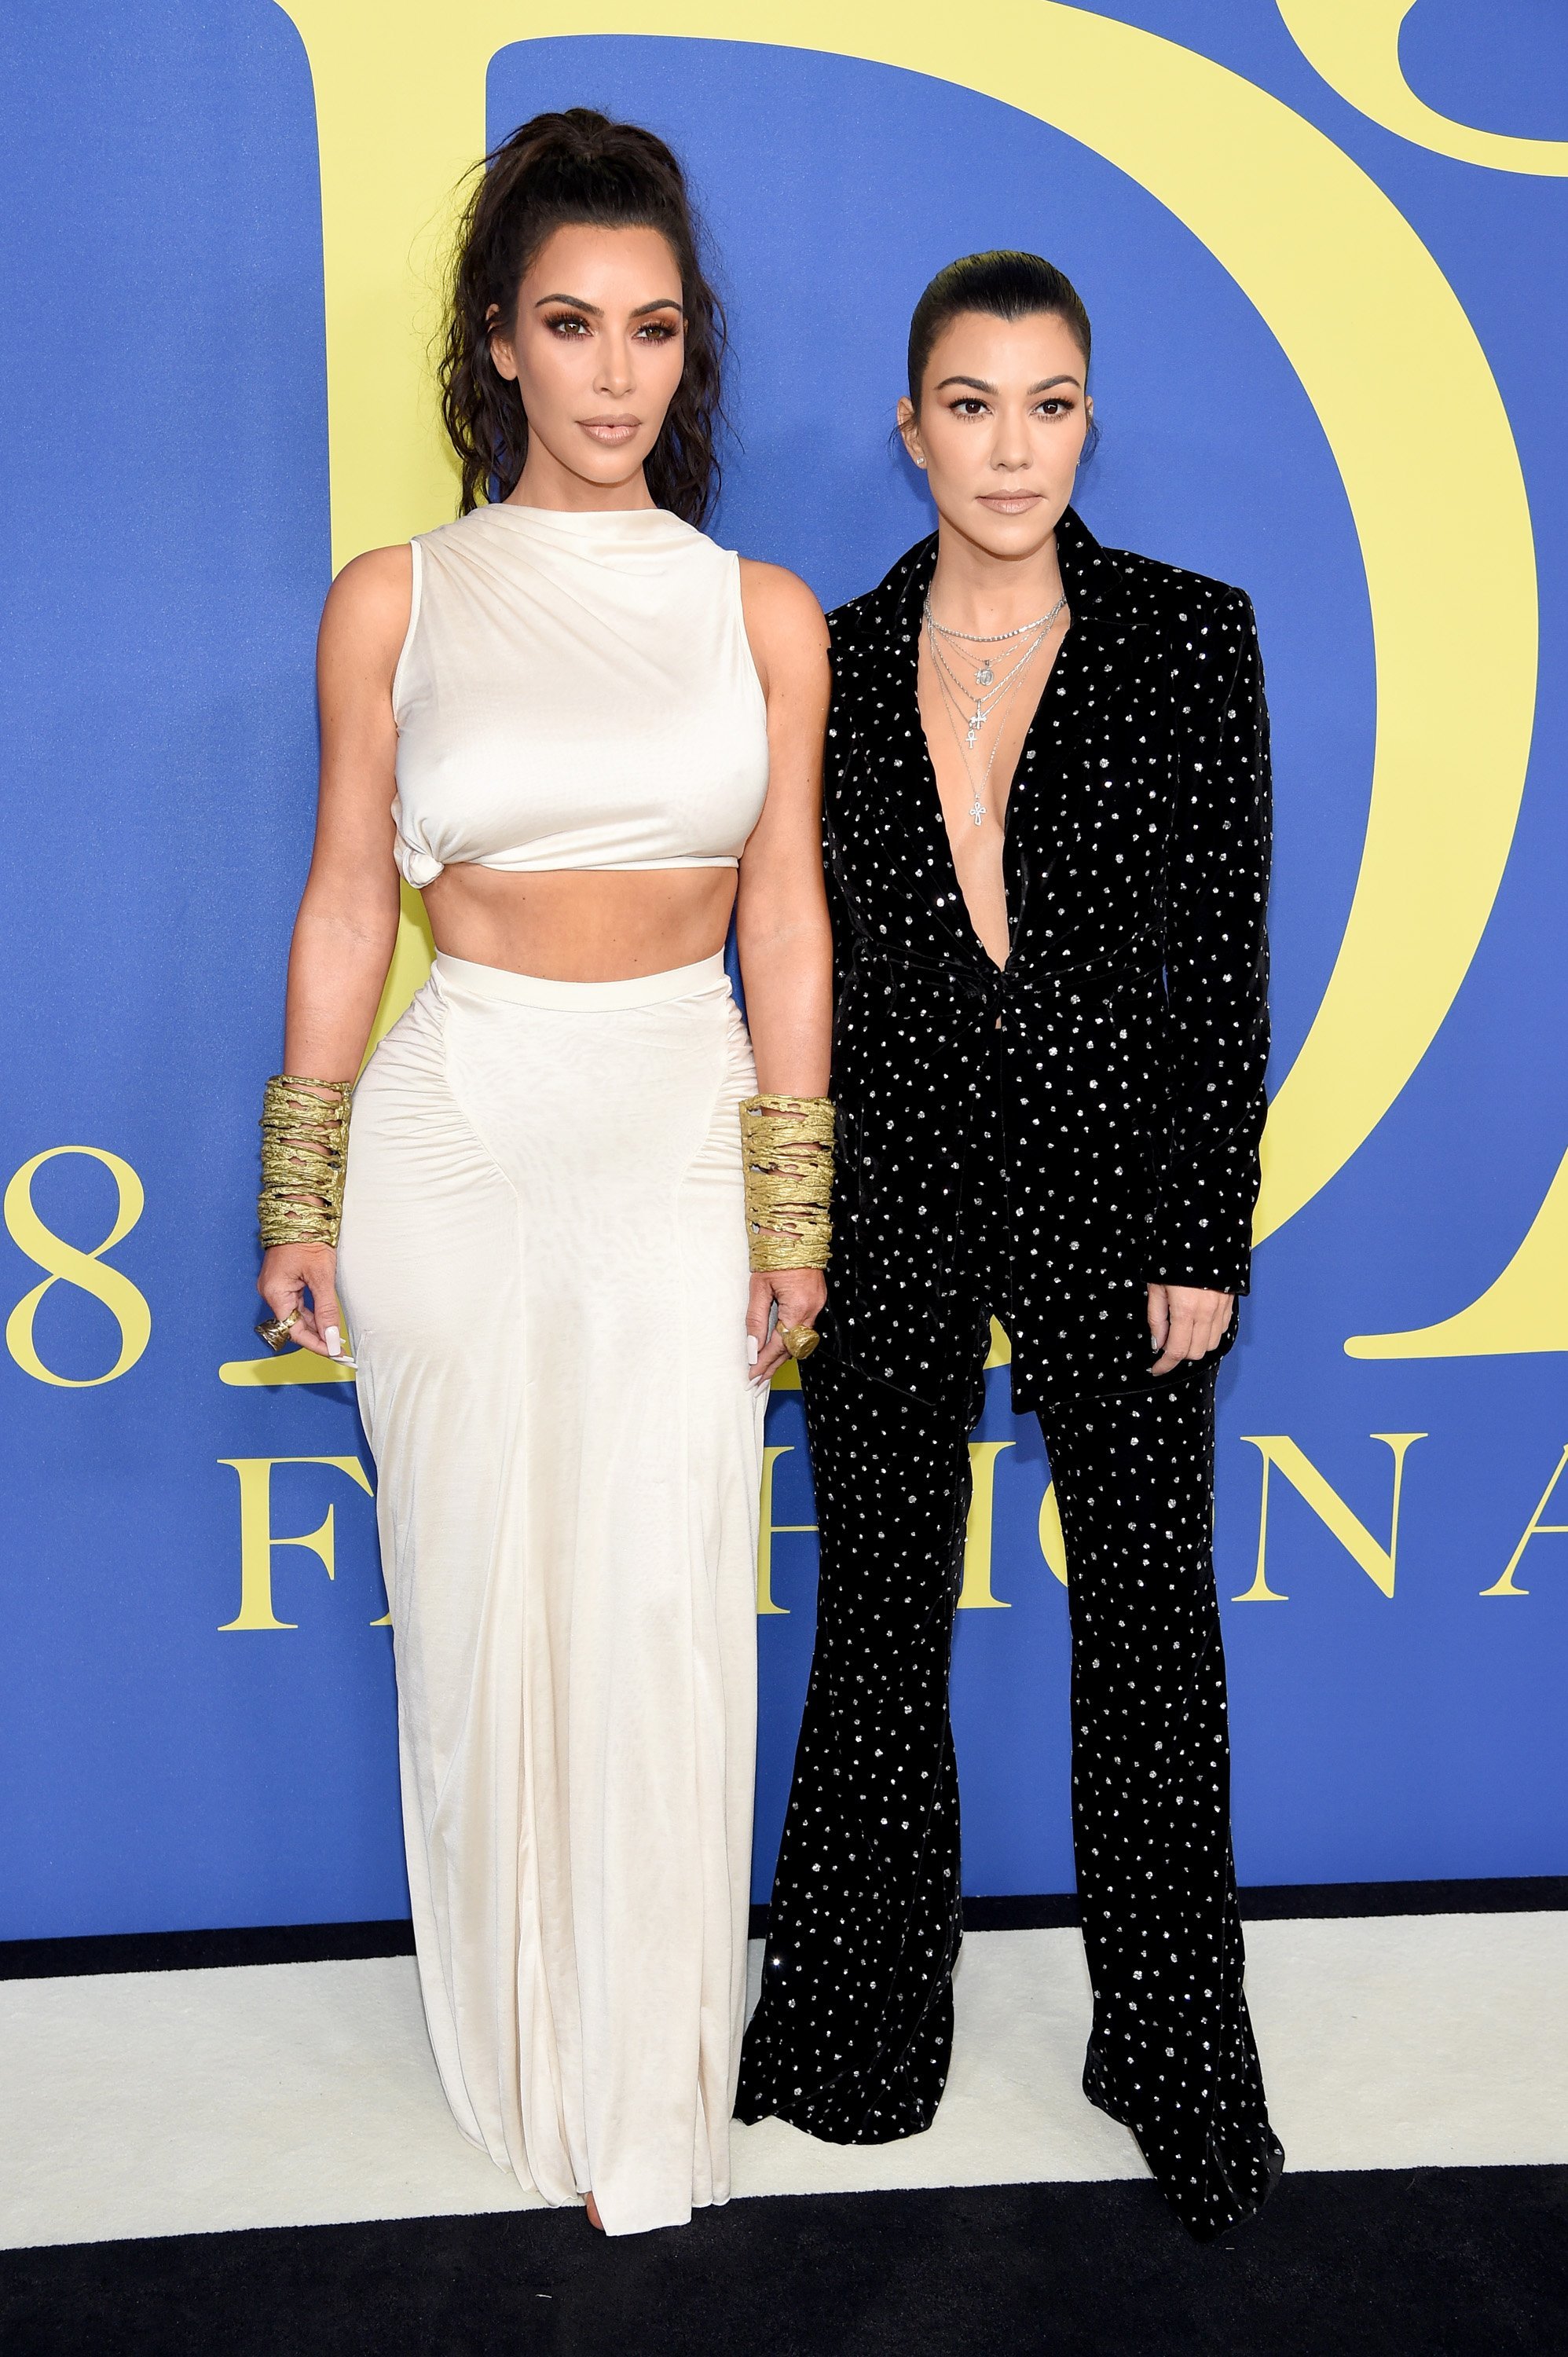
[588, 735]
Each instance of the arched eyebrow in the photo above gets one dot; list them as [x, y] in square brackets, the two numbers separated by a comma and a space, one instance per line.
[661, 303]
[977, 384]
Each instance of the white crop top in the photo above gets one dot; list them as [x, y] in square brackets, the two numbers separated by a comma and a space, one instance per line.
[575, 691]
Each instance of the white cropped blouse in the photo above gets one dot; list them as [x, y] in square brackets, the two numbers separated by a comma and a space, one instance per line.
[575, 692]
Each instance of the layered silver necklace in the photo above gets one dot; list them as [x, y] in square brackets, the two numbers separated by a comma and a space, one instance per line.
[968, 710]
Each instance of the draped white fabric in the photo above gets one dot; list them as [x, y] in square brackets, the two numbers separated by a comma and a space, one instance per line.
[575, 691]
[544, 1267]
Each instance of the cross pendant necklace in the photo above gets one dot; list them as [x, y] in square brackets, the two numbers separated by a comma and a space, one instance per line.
[948, 701]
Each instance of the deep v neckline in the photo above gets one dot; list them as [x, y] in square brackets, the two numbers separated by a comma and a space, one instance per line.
[1016, 781]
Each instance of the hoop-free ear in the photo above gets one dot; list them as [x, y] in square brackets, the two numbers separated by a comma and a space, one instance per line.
[503, 361]
[908, 429]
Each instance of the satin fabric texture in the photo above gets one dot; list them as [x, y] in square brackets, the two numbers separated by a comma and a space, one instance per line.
[575, 691]
[545, 1272]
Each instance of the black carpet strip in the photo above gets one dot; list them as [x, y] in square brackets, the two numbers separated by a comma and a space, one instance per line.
[1442, 2263]
[315, 1943]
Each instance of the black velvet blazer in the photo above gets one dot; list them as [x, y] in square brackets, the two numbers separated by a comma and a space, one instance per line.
[1107, 1134]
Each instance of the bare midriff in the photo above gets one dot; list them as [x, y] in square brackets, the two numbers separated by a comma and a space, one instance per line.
[603, 925]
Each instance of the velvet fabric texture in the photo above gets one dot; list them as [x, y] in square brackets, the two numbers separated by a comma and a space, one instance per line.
[1037, 1142]
[1133, 1003]
[853, 2035]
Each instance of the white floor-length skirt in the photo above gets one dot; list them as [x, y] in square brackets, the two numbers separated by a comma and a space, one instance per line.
[543, 1268]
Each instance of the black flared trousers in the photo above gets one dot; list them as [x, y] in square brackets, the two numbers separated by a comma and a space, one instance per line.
[852, 2038]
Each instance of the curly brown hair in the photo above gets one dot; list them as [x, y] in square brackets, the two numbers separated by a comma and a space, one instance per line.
[555, 171]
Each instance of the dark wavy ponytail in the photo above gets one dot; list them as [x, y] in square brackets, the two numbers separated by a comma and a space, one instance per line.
[555, 172]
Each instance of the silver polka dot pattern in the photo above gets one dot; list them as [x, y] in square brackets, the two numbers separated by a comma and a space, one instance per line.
[852, 2038]
[1041, 1143]
[1133, 1009]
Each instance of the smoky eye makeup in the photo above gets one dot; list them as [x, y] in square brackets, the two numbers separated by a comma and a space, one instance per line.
[569, 324]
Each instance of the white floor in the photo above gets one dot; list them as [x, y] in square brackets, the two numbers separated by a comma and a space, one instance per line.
[297, 2094]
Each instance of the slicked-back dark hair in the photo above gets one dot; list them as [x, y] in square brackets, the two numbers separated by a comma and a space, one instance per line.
[555, 172]
[1000, 286]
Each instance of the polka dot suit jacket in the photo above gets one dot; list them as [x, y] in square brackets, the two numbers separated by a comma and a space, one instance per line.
[1107, 1135]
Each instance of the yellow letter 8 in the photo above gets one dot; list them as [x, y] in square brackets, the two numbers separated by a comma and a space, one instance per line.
[86, 1269]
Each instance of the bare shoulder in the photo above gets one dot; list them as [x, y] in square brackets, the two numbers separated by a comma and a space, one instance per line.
[778, 602]
[365, 619]
[786, 626]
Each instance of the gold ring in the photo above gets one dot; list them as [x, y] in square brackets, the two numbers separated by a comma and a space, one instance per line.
[798, 1341]
[274, 1332]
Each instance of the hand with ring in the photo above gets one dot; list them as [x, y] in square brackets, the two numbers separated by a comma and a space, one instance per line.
[299, 1284]
[798, 1295]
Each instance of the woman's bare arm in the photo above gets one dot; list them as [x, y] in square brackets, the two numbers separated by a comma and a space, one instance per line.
[782, 913]
[346, 925]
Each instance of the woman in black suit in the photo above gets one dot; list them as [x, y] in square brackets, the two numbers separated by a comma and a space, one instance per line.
[1047, 833]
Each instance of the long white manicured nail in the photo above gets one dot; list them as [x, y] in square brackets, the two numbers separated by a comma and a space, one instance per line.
[334, 1342]
[753, 1349]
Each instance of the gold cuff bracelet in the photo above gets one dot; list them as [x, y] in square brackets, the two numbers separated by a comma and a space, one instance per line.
[304, 1149]
[786, 1154]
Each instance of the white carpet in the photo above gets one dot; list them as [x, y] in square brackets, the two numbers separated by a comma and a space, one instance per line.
[296, 2094]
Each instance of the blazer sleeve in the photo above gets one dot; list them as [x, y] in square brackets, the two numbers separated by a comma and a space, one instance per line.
[833, 757]
[1216, 975]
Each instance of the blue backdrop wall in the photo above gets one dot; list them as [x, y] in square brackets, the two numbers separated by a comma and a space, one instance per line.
[197, 1709]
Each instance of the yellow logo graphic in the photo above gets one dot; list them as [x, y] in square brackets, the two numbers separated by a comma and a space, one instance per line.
[1534, 1528]
[1360, 307]
[258, 1538]
[1355, 45]
[766, 1529]
[1375, 333]
[69, 1264]
[1280, 1454]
